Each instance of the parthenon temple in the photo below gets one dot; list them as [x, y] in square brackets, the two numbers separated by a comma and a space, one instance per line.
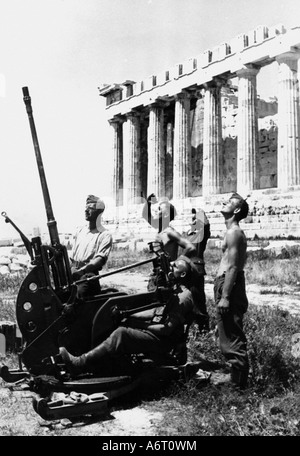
[198, 131]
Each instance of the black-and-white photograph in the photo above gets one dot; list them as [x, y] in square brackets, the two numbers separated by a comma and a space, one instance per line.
[150, 221]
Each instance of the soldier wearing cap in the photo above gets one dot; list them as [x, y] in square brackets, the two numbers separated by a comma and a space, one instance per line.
[92, 246]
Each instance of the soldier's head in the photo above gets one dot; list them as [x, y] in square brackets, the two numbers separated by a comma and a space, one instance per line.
[162, 213]
[236, 206]
[93, 208]
[182, 269]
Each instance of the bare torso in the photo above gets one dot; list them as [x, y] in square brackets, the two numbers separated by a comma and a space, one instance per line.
[234, 249]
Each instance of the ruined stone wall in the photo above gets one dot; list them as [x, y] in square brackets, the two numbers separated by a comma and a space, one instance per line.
[266, 158]
[229, 164]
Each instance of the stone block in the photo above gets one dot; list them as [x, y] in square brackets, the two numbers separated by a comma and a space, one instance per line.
[173, 72]
[189, 66]
[261, 33]
[220, 52]
[263, 149]
[149, 83]
[136, 88]
[266, 181]
[205, 58]
[258, 35]
[4, 270]
[8, 329]
[4, 261]
[163, 77]
[276, 30]
[239, 43]
[14, 267]
[272, 134]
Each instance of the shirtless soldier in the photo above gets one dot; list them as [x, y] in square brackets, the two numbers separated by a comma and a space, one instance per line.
[230, 293]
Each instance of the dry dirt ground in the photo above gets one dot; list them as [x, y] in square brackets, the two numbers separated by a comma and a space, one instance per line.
[123, 419]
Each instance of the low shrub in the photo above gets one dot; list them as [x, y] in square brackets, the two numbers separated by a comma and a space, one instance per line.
[269, 334]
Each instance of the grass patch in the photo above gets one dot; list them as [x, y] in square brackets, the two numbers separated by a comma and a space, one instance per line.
[210, 411]
[263, 267]
[10, 284]
[269, 406]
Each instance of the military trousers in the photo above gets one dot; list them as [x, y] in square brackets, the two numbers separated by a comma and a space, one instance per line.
[231, 337]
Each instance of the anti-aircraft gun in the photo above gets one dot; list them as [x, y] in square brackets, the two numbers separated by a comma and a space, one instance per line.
[48, 284]
[47, 311]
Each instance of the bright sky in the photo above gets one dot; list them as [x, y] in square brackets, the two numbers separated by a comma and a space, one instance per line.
[62, 50]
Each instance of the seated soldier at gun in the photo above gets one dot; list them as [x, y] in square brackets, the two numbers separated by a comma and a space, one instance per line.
[92, 246]
[159, 214]
[147, 332]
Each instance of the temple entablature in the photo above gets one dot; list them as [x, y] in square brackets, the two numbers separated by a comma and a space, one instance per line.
[257, 48]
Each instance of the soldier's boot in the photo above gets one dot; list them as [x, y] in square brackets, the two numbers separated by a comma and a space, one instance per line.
[87, 362]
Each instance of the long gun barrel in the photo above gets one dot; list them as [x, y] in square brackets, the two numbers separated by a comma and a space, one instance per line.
[54, 237]
[62, 273]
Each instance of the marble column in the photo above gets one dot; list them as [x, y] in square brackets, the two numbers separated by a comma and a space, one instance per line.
[288, 121]
[212, 139]
[199, 118]
[247, 131]
[117, 157]
[131, 159]
[156, 152]
[182, 147]
[169, 134]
